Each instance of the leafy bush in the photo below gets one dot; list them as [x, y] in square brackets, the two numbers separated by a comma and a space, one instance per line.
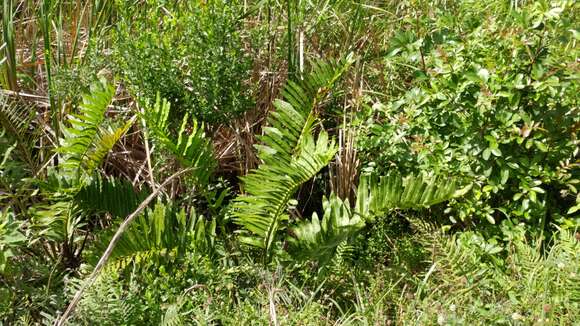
[193, 56]
[492, 98]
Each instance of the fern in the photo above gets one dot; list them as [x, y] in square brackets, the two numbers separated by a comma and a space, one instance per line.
[11, 237]
[104, 142]
[107, 195]
[192, 148]
[16, 119]
[58, 222]
[290, 153]
[86, 141]
[162, 233]
[377, 195]
[173, 315]
[319, 239]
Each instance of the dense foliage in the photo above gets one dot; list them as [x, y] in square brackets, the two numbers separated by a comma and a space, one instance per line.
[289, 162]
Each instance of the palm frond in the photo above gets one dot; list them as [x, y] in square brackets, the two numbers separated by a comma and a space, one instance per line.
[192, 149]
[290, 153]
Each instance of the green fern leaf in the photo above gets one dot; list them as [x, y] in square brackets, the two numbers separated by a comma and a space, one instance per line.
[85, 144]
[192, 148]
[319, 240]
[160, 233]
[107, 195]
[103, 145]
[15, 119]
[291, 155]
[377, 195]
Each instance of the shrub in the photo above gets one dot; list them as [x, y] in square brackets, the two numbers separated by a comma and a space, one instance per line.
[193, 56]
[492, 98]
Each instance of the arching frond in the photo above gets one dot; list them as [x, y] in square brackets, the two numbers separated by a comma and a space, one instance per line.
[103, 144]
[116, 197]
[377, 195]
[162, 232]
[86, 141]
[317, 239]
[291, 155]
[192, 148]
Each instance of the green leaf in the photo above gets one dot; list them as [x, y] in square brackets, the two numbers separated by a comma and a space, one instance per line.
[541, 146]
[486, 154]
[318, 240]
[538, 190]
[291, 155]
[505, 174]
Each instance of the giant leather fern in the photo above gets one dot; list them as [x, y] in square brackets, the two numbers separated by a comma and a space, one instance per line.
[378, 195]
[291, 155]
[192, 148]
[86, 141]
[320, 239]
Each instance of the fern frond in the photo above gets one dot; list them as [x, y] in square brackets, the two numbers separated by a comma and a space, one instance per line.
[319, 239]
[84, 126]
[345, 253]
[270, 187]
[116, 197]
[85, 142]
[103, 145]
[56, 221]
[294, 116]
[290, 153]
[15, 119]
[162, 232]
[173, 315]
[377, 195]
[192, 148]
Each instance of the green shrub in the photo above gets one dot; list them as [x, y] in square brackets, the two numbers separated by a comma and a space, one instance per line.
[493, 98]
[191, 53]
